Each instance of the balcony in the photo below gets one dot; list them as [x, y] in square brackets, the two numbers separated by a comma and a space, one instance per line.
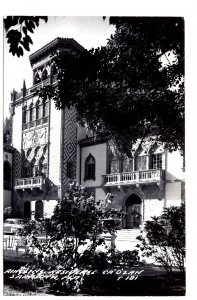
[136, 177]
[36, 123]
[29, 183]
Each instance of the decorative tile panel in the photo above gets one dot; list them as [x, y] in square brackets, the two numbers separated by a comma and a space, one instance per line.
[69, 143]
[16, 165]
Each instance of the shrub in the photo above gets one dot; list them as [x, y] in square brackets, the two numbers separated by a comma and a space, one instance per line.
[76, 222]
[7, 213]
[165, 238]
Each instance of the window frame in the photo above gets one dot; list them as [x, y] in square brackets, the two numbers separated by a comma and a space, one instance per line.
[158, 161]
[90, 168]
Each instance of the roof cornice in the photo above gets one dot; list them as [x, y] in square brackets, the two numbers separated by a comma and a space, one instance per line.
[57, 43]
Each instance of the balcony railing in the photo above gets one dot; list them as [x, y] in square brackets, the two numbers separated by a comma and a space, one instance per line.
[29, 183]
[134, 177]
[35, 123]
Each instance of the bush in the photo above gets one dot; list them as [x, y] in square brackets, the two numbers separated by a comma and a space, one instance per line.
[125, 258]
[165, 239]
[8, 213]
[76, 219]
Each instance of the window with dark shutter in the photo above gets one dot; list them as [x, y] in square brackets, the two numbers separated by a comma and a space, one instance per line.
[90, 166]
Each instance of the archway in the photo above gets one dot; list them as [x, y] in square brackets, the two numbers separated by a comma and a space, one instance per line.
[7, 175]
[39, 209]
[133, 210]
[27, 210]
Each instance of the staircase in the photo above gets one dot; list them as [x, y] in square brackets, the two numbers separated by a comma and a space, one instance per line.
[128, 235]
[126, 239]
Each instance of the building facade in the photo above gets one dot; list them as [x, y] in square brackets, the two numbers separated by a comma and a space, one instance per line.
[51, 149]
[8, 152]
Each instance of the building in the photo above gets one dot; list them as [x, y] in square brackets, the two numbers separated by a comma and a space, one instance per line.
[51, 148]
[7, 175]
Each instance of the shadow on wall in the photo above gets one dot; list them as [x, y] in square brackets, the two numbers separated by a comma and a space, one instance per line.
[23, 197]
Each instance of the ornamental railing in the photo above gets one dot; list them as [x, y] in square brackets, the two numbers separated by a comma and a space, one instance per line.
[35, 123]
[134, 177]
[29, 183]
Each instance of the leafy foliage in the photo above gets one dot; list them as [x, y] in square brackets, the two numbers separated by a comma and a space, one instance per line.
[17, 32]
[7, 213]
[124, 90]
[70, 244]
[75, 220]
[165, 238]
[7, 131]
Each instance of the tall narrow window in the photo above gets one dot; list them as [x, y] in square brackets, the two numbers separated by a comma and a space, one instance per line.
[31, 112]
[127, 165]
[157, 161]
[90, 167]
[37, 78]
[141, 163]
[7, 175]
[114, 166]
[45, 108]
[24, 114]
[38, 116]
[39, 209]
[44, 74]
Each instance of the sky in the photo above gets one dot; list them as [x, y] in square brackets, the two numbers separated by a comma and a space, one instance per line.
[90, 32]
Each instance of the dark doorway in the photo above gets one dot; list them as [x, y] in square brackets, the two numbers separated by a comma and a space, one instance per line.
[27, 210]
[133, 210]
[39, 209]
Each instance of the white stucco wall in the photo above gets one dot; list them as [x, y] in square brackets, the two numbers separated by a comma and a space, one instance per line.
[54, 146]
[174, 165]
[173, 192]
[82, 133]
[49, 207]
[17, 128]
[78, 164]
[100, 154]
[152, 207]
[99, 194]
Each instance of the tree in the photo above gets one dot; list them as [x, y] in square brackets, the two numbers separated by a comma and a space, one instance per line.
[165, 239]
[69, 251]
[7, 131]
[124, 90]
[18, 30]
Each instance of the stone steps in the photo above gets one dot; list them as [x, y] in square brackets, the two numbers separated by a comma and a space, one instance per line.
[127, 235]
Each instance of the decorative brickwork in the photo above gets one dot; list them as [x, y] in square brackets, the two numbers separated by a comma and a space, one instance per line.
[17, 168]
[69, 144]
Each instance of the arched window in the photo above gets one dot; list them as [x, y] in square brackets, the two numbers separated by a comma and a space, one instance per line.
[7, 175]
[27, 169]
[45, 108]
[24, 114]
[37, 78]
[27, 210]
[31, 112]
[39, 209]
[44, 74]
[90, 166]
[38, 110]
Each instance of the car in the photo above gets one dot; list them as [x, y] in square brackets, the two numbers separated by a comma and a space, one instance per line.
[15, 226]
